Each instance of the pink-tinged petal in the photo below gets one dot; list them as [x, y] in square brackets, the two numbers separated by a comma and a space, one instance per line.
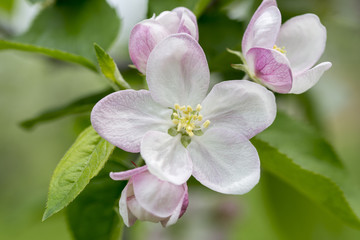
[123, 117]
[140, 213]
[304, 39]
[169, 20]
[192, 28]
[127, 174]
[225, 161]
[241, 106]
[271, 67]
[180, 209]
[177, 71]
[166, 157]
[157, 197]
[143, 38]
[309, 78]
[128, 218]
[188, 23]
[263, 28]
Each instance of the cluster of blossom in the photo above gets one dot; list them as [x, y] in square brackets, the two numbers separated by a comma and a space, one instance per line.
[180, 130]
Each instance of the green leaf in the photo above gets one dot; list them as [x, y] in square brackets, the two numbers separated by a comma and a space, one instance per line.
[81, 163]
[218, 33]
[94, 213]
[73, 27]
[109, 69]
[40, 1]
[82, 105]
[58, 54]
[297, 154]
[7, 5]
[158, 6]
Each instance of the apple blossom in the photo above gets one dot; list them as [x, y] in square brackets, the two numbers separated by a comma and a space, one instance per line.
[147, 198]
[281, 56]
[148, 33]
[182, 132]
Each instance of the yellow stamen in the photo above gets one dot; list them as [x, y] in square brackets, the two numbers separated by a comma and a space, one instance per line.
[206, 123]
[187, 120]
[282, 50]
[189, 108]
[198, 108]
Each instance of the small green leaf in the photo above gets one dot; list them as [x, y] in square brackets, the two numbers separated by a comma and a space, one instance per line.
[200, 7]
[198, 132]
[94, 214]
[109, 69]
[172, 131]
[81, 163]
[297, 154]
[185, 140]
[73, 26]
[58, 54]
[83, 105]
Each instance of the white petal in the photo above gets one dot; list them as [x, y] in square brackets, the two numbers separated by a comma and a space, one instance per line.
[243, 107]
[304, 39]
[158, 197]
[166, 157]
[309, 78]
[169, 20]
[140, 213]
[224, 161]
[128, 218]
[177, 71]
[143, 38]
[123, 117]
[124, 175]
[263, 28]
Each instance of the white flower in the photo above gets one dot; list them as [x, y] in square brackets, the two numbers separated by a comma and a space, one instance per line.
[182, 132]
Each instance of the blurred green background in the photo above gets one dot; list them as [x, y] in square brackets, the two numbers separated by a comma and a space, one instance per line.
[30, 83]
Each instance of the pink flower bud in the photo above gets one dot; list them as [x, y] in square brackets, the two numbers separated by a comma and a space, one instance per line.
[148, 198]
[148, 33]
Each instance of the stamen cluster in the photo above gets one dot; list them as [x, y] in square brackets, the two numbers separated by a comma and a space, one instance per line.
[282, 50]
[188, 120]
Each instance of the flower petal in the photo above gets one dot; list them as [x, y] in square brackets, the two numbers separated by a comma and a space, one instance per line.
[271, 67]
[158, 197]
[140, 213]
[124, 175]
[240, 106]
[143, 38]
[178, 72]
[263, 28]
[188, 22]
[304, 39]
[123, 117]
[166, 157]
[225, 161]
[128, 218]
[169, 20]
[309, 78]
[180, 209]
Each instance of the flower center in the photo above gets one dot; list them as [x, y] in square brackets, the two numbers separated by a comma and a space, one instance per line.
[282, 50]
[188, 121]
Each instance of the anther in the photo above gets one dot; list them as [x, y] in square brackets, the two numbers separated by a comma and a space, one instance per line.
[198, 108]
[206, 123]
